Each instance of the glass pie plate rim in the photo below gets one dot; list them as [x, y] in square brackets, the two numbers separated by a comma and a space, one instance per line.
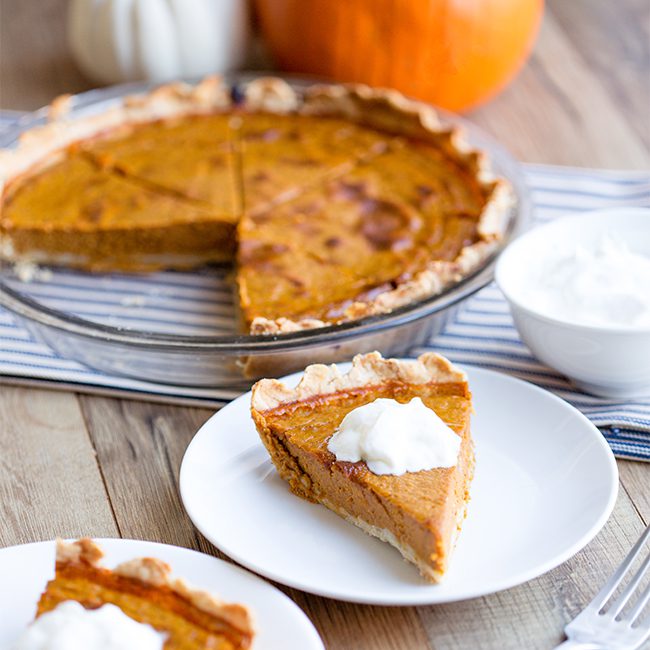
[99, 99]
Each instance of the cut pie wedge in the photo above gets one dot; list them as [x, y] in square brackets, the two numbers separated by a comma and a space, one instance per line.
[144, 591]
[75, 214]
[420, 513]
[190, 155]
[376, 237]
[304, 150]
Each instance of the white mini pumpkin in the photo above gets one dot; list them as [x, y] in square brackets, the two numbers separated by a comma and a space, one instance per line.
[157, 40]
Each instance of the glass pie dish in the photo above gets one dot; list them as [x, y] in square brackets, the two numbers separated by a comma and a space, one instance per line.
[181, 327]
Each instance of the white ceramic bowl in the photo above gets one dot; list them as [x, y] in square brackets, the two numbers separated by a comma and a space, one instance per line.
[610, 361]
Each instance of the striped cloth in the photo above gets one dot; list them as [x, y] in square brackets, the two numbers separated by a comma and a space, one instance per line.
[201, 304]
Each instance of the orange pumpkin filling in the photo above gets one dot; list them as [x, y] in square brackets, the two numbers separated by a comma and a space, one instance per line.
[356, 236]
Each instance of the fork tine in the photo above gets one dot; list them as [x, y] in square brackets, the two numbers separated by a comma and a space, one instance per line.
[638, 607]
[610, 586]
[619, 603]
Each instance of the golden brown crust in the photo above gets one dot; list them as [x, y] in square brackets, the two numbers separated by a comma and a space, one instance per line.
[83, 551]
[270, 94]
[380, 108]
[156, 573]
[367, 370]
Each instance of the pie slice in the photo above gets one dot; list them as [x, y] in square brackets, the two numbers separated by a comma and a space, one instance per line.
[177, 138]
[396, 230]
[144, 591]
[285, 151]
[191, 155]
[77, 214]
[420, 513]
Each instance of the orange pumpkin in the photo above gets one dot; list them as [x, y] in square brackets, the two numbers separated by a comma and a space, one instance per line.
[453, 53]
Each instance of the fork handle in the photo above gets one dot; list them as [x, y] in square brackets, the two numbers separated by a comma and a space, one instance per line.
[577, 645]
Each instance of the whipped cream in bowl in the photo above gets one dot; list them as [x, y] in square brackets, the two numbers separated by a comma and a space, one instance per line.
[604, 284]
[395, 438]
[579, 293]
[70, 626]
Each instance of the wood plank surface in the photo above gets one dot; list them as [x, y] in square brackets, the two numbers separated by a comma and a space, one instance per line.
[559, 112]
[73, 465]
[615, 46]
[139, 448]
[50, 482]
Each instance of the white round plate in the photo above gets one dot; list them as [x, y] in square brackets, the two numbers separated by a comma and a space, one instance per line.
[546, 482]
[26, 569]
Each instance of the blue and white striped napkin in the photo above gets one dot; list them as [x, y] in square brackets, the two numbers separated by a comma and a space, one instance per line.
[200, 303]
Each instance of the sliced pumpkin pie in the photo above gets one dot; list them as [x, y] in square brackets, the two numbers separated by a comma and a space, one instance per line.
[420, 513]
[396, 229]
[190, 155]
[144, 590]
[128, 188]
[176, 138]
[77, 214]
[350, 201]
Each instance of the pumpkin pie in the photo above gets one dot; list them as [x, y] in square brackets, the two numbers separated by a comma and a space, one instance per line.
[337, 203]
[79, 192]
[189, 155]
[73, 213]
[144, 591]
[420, 513]
[305, 151]
[395, 229]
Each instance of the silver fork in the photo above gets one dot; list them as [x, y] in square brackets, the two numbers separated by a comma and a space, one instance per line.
[594, 630]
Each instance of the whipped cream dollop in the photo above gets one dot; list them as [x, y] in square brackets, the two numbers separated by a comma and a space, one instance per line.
[70, 626]
[394, 438]
[603, 284]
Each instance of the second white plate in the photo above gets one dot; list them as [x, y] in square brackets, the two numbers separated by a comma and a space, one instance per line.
[546, 482]
[24, 571]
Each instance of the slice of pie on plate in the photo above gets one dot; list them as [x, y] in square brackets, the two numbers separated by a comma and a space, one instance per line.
[420, 513]
[144, 590]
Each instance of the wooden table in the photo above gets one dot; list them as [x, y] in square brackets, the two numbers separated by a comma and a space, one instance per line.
[73, 465]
